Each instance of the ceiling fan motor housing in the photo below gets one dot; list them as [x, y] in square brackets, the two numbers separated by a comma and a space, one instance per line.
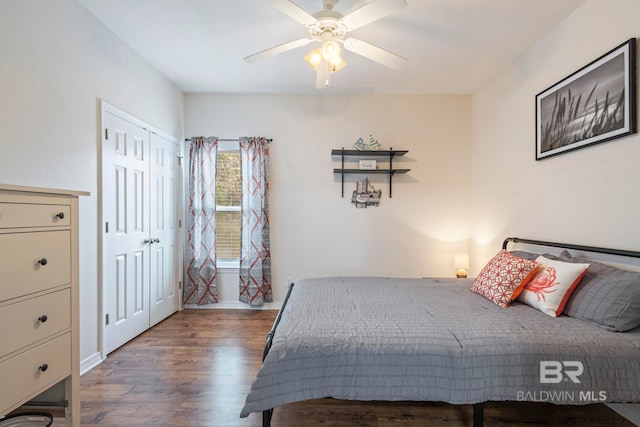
[327, 26]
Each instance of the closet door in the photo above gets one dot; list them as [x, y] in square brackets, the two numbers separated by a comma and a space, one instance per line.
[140, 205]
[126, 244]
[164, 209]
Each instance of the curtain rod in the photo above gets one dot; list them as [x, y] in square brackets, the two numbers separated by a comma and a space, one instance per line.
[229, 140]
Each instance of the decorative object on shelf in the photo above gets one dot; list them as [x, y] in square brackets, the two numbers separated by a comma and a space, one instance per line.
[367, 164]
[360, 145]
[365, 195]
[373, 144]
[597, 103]
[461, 263]
[385, 154]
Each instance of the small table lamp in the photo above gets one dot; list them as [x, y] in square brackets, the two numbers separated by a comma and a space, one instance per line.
[461, 262]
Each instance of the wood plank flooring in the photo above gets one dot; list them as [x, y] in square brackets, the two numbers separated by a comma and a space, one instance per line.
[196, 367]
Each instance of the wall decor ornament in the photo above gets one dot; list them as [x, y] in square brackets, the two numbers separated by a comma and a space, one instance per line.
[372, 145]
[365, 195]
[360, 145]
[597, 103]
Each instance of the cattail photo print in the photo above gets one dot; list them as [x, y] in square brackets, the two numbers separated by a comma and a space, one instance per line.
[595, 104]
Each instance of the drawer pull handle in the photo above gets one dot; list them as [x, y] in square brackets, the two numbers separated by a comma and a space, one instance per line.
[60, 215]
[43, 318]
[44, 367]
[42, 261]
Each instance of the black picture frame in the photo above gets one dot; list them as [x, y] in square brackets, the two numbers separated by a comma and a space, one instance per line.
[595, 104]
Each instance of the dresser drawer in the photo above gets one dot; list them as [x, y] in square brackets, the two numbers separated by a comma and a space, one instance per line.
[26, 328]
[20, 270]
[13, 215]
[22, 376]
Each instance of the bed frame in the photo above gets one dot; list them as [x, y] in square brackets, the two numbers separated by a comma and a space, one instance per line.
[478, 408]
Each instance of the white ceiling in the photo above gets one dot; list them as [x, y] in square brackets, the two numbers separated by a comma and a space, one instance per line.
[452, 46]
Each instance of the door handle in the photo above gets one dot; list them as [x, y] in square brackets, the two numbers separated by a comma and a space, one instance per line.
[149, 241]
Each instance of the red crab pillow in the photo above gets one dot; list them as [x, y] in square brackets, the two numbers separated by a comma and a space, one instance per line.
[503, 278]
[550, 288]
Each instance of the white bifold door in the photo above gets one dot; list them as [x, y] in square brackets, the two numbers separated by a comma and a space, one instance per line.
[140, 178]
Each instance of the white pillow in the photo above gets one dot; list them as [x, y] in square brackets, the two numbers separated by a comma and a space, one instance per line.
[550, 288]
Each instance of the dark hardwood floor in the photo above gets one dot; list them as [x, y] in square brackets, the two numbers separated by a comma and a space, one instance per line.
[196, 367]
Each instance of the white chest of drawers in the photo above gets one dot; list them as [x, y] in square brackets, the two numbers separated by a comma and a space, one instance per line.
[39, 296]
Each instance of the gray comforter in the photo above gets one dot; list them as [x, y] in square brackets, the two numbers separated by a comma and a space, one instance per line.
[366, 338]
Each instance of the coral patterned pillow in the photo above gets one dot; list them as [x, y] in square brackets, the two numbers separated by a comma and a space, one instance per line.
[550, 288]
[503, 278]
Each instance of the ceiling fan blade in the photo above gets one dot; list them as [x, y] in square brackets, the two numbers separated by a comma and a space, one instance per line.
[372, 12]
[323, 77]
[375, 53]
[294, 11]
[277, 50]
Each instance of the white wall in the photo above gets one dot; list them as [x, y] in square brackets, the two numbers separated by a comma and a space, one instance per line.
[588, 196]
[57, 62]
[315, 232]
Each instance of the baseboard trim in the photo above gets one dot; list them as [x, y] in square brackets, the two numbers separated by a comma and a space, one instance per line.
[235, 305]
[630, 411]
[90, 362]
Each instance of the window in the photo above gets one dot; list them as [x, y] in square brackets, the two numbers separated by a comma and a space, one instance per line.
[228, 202]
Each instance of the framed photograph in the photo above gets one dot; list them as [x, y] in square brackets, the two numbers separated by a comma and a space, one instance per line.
[597, 103]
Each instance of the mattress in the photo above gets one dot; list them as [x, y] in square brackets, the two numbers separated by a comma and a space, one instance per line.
[393, 339]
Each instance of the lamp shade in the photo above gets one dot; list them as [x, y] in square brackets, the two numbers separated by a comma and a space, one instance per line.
[313, 58]
[330, 50]
[461, 261]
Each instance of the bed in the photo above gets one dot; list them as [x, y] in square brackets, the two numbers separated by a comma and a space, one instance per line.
[402, 339]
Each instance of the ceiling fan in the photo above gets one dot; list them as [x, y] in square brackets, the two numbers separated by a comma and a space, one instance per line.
[329, 27]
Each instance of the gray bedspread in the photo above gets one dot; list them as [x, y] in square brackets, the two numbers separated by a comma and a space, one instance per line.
[372, 338]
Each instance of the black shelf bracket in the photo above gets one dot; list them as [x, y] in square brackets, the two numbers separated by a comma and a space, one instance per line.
[342, 173]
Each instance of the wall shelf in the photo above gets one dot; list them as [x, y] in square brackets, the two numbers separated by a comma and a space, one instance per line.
[385, 154]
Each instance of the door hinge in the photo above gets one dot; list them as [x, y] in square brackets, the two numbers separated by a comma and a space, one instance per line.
[106, 319]
[106, 227]
[180, 284]
[179, 161]
[179, 223]
[106, 133]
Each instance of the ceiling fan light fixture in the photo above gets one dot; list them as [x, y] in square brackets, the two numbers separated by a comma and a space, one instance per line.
[337, 64]
[329, 27]
[314, 58]
[330, 50]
